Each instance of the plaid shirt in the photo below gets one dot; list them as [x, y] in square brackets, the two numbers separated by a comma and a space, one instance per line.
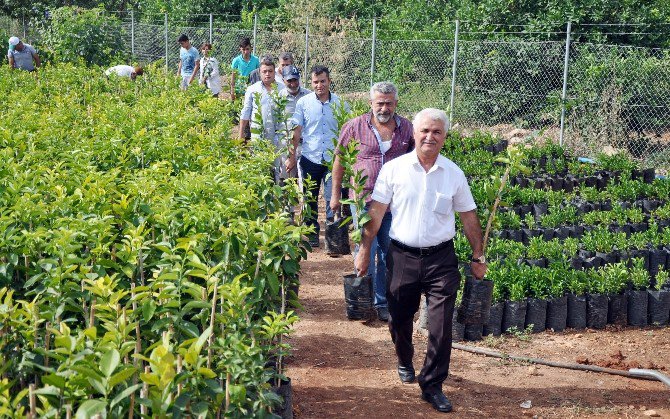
[370, 157]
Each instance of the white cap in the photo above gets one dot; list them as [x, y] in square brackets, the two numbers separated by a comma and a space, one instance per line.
[14, 41]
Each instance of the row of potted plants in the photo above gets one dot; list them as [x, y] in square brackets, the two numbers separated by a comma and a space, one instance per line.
[529, 297]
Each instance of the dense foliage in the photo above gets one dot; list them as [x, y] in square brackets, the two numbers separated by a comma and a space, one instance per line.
[145, 258]
[72, 34]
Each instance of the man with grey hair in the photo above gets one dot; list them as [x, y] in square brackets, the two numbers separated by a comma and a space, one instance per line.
[383, 136]
[424, 191]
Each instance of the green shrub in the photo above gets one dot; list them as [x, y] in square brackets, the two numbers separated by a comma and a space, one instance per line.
[73, 34]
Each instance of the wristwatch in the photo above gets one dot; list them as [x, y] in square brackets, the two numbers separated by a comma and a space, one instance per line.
[481, 259]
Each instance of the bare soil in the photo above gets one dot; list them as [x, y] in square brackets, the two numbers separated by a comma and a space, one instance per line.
[345, 369]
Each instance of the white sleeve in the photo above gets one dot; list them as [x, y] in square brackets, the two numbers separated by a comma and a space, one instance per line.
[248, 104]
[383, 191]
[462, 199]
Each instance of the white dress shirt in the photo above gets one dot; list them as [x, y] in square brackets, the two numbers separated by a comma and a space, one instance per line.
[249, 109]
[423, 203]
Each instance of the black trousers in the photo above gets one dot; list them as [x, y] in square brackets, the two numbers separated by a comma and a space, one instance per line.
[408, 276]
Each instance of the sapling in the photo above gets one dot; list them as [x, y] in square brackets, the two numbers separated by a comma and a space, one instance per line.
[662, 280]
[513, 163]
[639, 276]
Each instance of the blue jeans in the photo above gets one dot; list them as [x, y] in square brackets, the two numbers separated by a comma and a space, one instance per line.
[377, 267]
[317, 172]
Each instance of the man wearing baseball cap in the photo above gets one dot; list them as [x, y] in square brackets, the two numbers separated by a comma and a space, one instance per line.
[293, 91]
[22, 56]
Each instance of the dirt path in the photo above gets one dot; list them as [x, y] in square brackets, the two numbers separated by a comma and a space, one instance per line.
[344, 369]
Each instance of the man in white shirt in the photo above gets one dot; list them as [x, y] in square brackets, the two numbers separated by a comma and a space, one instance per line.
[266, 87]
[424, 191]
[125, 71]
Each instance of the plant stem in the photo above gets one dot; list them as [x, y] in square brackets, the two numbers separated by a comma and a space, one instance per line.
[492, 215]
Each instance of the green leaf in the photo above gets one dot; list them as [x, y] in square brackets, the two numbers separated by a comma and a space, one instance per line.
[109, 362]
[54, 380]
[90, 408]
[148, 309]
[125, 393]
[121, 376]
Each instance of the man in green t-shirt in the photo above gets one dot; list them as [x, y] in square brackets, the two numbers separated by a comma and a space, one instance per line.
[242, 66]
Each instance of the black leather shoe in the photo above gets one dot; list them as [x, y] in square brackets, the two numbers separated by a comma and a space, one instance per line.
[383, 314]
[314, 241]
[438, 400]
[406, 374]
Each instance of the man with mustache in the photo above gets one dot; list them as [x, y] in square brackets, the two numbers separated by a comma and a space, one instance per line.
[383, 135]
[424, 191]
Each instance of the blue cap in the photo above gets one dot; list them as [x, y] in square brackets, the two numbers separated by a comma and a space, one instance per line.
[290, 72]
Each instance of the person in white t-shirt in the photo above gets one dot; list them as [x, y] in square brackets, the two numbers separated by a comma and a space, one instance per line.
[124, 71]
[209, 70]
[424, 191]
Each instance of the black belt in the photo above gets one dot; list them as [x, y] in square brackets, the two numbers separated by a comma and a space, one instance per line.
[421, 251]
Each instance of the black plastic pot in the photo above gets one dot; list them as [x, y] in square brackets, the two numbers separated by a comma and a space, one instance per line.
[638, 302]
[596, 311]
[540, 209]
[617, 309]
[514, 315]
[476, 302]
[562, 232]
[548, 234]
[285, 391]
[557, 313]
[576, 311]
[659, 307]
[648, 175]
[473, 332]
[358, 297]
[457, 329]
[494, 325]
[657, 258]
[536, 314]
[337, 238]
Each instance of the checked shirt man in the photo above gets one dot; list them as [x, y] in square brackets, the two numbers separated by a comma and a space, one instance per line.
[383, 135]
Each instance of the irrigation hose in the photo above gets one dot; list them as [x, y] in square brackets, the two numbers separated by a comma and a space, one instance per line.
[645, 374]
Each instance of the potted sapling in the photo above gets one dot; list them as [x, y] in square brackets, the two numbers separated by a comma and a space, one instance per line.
[557, 306]
[659, 299]
[358, 290]
[577, 287]
[616, 280]
[477, 294]
[596, 299]
[536, 303]
[514, 314]
[638, 299]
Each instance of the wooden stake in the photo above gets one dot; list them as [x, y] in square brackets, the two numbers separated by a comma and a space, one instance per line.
[47, 341]
[91, 318]
[33, 402]
[211, 323]
[179, 366]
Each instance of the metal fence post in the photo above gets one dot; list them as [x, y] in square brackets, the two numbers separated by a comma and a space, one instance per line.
[372, 59]
[306, 47]
[255, 28]
[453, 75]
[565, 81]
[132, 33]
[167, 67]
[211, 27]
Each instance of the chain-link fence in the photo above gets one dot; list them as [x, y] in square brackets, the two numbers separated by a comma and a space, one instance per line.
[589, 96]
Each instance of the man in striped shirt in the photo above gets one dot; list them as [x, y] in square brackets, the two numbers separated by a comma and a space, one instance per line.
[383, 135]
